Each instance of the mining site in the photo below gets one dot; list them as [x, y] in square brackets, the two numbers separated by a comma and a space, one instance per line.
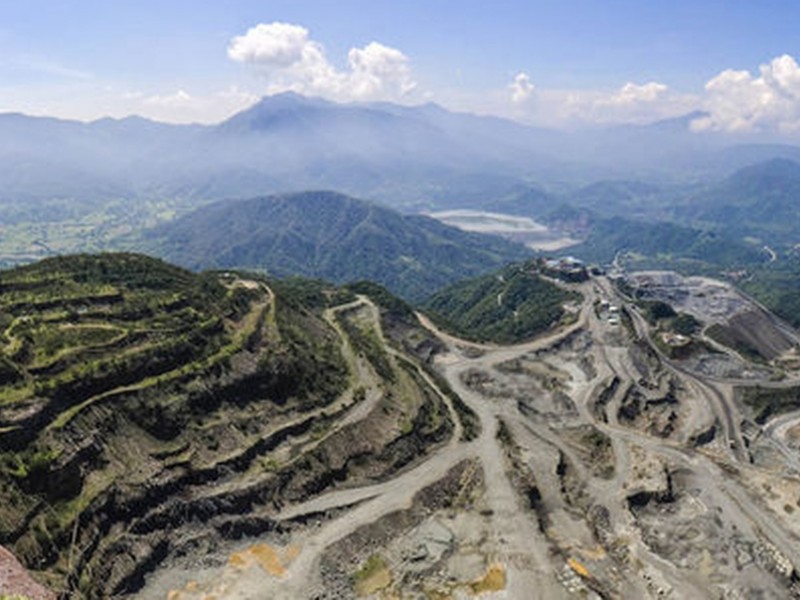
[330, 443]
[603, 459]
[358, 300]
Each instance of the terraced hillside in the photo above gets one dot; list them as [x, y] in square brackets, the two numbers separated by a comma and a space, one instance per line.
[148, 413]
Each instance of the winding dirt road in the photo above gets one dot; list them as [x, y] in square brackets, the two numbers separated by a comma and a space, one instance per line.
[543, 564]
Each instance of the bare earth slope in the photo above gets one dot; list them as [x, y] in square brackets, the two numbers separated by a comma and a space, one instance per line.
[15, 580]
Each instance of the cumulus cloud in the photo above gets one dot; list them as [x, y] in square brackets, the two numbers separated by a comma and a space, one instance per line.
[521, 88]
[738, 101]
[291, 61]
[377, 70]
[734, 101]
[631, 93]
[278, 44]
[635, 103]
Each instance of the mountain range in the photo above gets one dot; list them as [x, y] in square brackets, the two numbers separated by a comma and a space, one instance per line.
[411, 157]
[655, 189]
[762, 201]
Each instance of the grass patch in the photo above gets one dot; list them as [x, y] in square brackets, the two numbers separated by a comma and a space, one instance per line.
[373, 576]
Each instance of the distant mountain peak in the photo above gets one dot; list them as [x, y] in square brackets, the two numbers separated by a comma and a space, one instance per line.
[127, 119]
[271, 110]
[290, 98]
[778, 167]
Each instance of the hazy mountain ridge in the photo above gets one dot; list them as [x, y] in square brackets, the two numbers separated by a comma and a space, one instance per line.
[285, 142]
[405, 155]
[761, 200]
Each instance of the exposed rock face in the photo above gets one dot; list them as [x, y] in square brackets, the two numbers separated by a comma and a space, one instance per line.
[418, 538]
[15, 580]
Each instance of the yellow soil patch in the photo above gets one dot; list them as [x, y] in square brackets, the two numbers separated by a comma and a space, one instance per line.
[706, 564]
[238, 560]
[578, 568]
[291, 553]
[272, 560]
[597, 553]
[493, 581]
[263, 555]
[438, 595]
[268, 559]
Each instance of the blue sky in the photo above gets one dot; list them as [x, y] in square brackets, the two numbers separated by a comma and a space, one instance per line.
[172, 60]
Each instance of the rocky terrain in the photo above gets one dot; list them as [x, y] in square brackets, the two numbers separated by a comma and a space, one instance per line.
[16, 582]
[593, 461]
[599, 468]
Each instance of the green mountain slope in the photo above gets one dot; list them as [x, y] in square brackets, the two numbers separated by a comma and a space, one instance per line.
[667, 244]
[509, 306]
[777, 286]
[761, 201]
[334, 237]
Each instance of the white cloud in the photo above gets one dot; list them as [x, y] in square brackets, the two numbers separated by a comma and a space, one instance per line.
[632, 103]
[636, 103]
[738, 101]
[378, 70]
[179, 99]
[290, 60]
[278, 44]
[521, 88]
[631, 93]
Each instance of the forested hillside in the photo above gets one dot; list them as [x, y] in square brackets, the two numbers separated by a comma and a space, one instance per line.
[333, 237]
[509, 306]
